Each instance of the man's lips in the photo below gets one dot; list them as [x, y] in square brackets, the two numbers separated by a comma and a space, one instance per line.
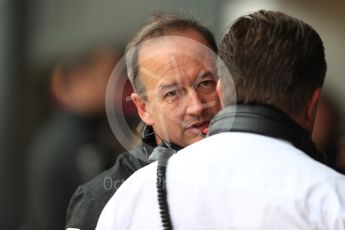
[198, 127]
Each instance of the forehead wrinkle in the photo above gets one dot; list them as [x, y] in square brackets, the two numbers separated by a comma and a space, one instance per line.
[165, 86]
[178, 63]
[193, 77]
[158, 64]
[176, 69]
[149, 73]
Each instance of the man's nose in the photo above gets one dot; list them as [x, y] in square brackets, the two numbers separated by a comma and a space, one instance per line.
[195, 104]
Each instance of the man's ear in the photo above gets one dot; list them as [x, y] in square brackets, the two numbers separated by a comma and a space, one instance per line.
[311, 108]
[142, 108]
[219, 91]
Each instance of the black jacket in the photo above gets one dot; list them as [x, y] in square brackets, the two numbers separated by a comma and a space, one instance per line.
[89, 199]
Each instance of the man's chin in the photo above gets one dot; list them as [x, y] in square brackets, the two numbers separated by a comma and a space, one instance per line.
[192, 140]
[190, 136]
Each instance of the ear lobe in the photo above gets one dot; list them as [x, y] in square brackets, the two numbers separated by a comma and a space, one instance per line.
[312, 105]
[142, 108]
[219, 89]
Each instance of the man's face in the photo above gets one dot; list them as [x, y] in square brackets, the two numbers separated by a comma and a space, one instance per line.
[180, 84]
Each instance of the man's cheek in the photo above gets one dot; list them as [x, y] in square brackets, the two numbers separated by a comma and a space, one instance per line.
[174, 116]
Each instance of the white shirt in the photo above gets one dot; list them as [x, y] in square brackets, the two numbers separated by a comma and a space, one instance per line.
[233, 181]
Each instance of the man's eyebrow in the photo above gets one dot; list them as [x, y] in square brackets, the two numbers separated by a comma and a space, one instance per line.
[165, 86]
[203, 74]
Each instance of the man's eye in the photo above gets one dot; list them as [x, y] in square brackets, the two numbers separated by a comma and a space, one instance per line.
[207, 84]
[171, 94]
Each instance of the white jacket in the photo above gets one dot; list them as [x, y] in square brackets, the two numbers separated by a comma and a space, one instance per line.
[233, 181]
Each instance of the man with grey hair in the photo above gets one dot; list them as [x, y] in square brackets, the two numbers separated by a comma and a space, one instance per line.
[259, 168]
[175, 95]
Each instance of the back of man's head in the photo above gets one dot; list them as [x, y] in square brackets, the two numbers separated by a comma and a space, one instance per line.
[274, 60]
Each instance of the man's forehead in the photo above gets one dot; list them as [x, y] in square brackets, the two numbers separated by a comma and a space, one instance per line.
[174, 45]
[174, 52]
[175, 66]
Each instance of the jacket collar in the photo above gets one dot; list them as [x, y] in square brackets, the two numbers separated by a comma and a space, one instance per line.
[148, 144]
[267, 121]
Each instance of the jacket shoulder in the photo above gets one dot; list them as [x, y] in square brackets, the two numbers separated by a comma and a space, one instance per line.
[90, 198]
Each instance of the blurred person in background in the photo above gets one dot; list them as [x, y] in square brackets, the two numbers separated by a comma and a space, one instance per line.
[75, 143]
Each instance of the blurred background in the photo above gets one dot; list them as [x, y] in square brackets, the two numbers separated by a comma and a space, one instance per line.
[55, 60]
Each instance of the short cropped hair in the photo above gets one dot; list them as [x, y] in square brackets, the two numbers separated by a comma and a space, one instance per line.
[274, 59]
[161, 24]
